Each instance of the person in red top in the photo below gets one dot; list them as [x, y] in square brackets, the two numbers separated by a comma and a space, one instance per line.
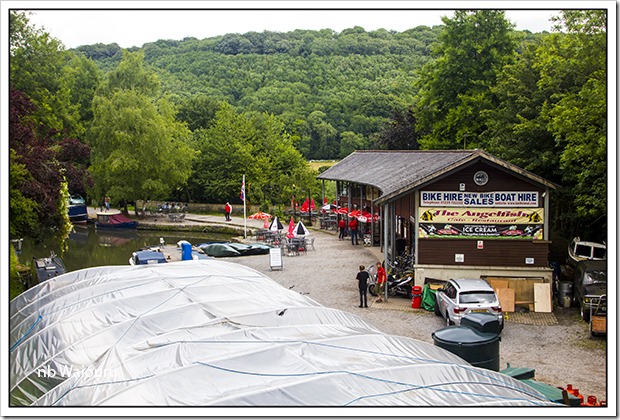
[353, 227]
[227, 211]
[380, 281]
[342, 226]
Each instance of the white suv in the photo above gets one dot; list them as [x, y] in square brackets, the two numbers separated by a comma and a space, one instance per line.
[460, 297]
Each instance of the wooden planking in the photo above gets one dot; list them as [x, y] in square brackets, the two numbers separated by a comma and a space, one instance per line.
[503, 253]
[506, 299]
[542, 297]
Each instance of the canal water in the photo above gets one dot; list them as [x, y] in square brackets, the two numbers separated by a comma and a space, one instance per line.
[89, 247]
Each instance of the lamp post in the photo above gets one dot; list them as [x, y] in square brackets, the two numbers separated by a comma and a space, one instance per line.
[309, 209]
[293, 204]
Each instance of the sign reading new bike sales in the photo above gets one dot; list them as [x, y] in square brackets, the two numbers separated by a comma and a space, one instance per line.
[481, 223]
[479, 199]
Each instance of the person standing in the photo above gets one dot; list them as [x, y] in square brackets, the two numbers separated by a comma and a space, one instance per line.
[362, 283]
[341, 226]
[227, 211]
[381, 277]
[353, 228]
[107, 203]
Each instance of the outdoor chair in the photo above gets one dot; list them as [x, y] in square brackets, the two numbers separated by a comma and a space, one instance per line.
[310, 243]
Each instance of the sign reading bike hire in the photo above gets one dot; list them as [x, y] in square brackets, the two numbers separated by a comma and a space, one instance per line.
[479, 199]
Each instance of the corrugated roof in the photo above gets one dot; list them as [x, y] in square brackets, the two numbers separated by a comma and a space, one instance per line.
[395, 172]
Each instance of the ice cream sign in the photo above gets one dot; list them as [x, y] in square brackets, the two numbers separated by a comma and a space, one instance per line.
[479, 199]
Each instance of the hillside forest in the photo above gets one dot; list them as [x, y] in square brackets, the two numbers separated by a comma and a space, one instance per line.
[184, 120]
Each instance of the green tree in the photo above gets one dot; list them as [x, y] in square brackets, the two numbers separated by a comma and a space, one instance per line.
[83, 78]
[139, 150]
[37, 67]
[350, 142]
[551, 118]
[198, 111]
[455, 87]
[251, 144]
[574, 65]
[23, 210]
[400, 132]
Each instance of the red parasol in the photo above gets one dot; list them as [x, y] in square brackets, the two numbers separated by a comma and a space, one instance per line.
[259, 215]
[291, 228]
[362, 216]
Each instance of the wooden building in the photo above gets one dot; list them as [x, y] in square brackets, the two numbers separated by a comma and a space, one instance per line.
[456, 213]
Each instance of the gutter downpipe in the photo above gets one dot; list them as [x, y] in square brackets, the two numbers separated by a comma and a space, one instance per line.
[386, 216]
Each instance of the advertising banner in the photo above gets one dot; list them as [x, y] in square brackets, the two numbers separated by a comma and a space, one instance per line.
[481, 215]
[509, 223]
[469, 231]
[479, 199]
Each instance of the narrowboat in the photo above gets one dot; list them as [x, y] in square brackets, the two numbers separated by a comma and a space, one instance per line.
[114, 220]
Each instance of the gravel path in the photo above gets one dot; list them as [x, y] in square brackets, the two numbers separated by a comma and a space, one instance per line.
[561, 354]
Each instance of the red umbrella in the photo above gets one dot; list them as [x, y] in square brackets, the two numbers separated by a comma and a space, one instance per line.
[342, 210]
[362, 216]
[305, 206]
[259, 215]
[291, 229]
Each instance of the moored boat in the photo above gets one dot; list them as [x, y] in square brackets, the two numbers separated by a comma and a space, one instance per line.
[215, 333]
[78, 213]
[579, 250]
[233, 249]
[47, 268]
[114, 220]
[162, 253]
[76, 207]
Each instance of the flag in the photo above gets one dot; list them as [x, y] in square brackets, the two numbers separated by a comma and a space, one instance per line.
[242, 196]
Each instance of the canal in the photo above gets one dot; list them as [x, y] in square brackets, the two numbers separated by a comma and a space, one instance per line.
[89, 247]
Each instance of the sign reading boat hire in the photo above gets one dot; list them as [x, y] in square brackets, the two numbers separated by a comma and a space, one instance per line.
[479, 199]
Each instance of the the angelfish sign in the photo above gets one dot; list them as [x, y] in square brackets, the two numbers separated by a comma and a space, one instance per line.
[481, 215]
[481, 223]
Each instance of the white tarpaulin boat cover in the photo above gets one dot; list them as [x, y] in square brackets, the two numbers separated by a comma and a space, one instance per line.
[211, 332]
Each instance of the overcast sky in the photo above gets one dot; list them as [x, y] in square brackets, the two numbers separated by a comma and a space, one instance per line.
[130, 28]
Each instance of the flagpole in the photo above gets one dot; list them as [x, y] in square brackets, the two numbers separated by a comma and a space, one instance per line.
[245, 225]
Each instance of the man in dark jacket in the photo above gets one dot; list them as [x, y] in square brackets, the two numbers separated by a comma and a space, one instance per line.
[362, 282]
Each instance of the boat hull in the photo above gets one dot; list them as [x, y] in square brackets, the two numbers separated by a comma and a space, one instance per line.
[114, 220]
[124, 225]
[78, 213]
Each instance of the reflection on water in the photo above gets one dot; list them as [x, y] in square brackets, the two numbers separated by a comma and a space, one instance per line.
[88, 247]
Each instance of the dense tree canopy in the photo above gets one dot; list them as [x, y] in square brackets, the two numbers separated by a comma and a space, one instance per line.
[551, 118]
[139, 150]
[254, 145]
[455, 87]
[320, 83]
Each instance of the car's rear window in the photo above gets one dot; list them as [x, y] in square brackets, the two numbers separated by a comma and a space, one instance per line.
[477, 297]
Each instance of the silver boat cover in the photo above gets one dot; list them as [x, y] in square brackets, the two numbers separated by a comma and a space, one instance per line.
[211, 332]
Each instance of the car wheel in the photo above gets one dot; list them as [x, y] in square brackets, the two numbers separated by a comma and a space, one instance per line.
[437, 310]
[585, 313]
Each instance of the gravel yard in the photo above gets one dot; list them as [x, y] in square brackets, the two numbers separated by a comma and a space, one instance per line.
[561, 353]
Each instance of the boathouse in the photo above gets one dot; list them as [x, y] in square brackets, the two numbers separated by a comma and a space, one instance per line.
[455, 213]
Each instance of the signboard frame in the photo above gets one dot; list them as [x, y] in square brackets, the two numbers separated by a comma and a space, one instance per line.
[275, 259]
